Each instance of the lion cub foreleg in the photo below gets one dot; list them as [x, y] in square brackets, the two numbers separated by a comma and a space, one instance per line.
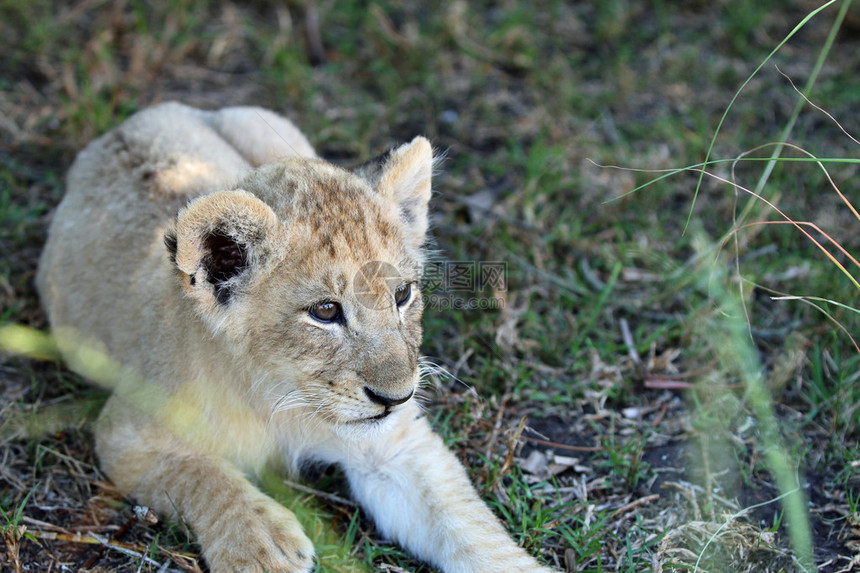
[419, 495]
[238, 527]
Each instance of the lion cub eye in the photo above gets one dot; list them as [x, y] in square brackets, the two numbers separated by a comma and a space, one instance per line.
[402, 293]
[326, 311]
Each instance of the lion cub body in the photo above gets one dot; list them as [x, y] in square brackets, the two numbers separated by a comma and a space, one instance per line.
[255, 327]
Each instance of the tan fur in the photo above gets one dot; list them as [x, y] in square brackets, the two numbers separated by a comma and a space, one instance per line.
[220, 366]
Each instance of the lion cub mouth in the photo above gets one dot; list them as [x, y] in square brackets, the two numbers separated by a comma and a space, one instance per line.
[371, 420]
[388, 404]
[381, 416]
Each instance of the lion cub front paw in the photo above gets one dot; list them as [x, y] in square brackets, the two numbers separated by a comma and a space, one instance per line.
[266, 540]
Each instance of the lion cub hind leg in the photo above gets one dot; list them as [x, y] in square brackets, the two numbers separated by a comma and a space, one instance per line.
[238, 527]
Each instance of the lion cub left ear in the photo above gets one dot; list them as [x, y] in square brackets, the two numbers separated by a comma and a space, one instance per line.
[220, 242]
[403, 176]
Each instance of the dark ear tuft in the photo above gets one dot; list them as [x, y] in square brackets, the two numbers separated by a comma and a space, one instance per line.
[172, 243]
[225, 258]
[402, 176]
[372, 169]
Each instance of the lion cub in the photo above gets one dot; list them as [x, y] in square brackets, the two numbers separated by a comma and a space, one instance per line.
[255, 327]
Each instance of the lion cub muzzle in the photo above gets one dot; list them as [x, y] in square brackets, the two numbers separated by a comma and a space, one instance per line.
[389, 372]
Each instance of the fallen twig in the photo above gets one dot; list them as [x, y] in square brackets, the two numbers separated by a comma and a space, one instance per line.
[184, 560]
[129, 549]
[563, 446]
[635, 503]
[627, 336]
[318, 493]
[509, 458]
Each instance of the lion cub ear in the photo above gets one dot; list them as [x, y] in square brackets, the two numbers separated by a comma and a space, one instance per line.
[220, 241]
[403, 176]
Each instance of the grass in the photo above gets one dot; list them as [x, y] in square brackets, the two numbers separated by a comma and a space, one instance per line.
[520, 97]
[14, 532]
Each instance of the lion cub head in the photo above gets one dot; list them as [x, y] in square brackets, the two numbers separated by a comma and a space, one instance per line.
[307, 276]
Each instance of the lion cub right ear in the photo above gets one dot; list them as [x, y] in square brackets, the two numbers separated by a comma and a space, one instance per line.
[403, 176]
[219, 242]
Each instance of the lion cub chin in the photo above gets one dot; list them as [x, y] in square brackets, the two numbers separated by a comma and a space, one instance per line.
[251, 304]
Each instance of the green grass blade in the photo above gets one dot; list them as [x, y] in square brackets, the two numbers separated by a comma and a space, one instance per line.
[735, 97]
[599, 305]
[789, 126]
[738, 355]
[701, 167]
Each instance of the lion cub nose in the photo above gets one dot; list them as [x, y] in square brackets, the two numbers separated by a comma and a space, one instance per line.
[385, 400]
